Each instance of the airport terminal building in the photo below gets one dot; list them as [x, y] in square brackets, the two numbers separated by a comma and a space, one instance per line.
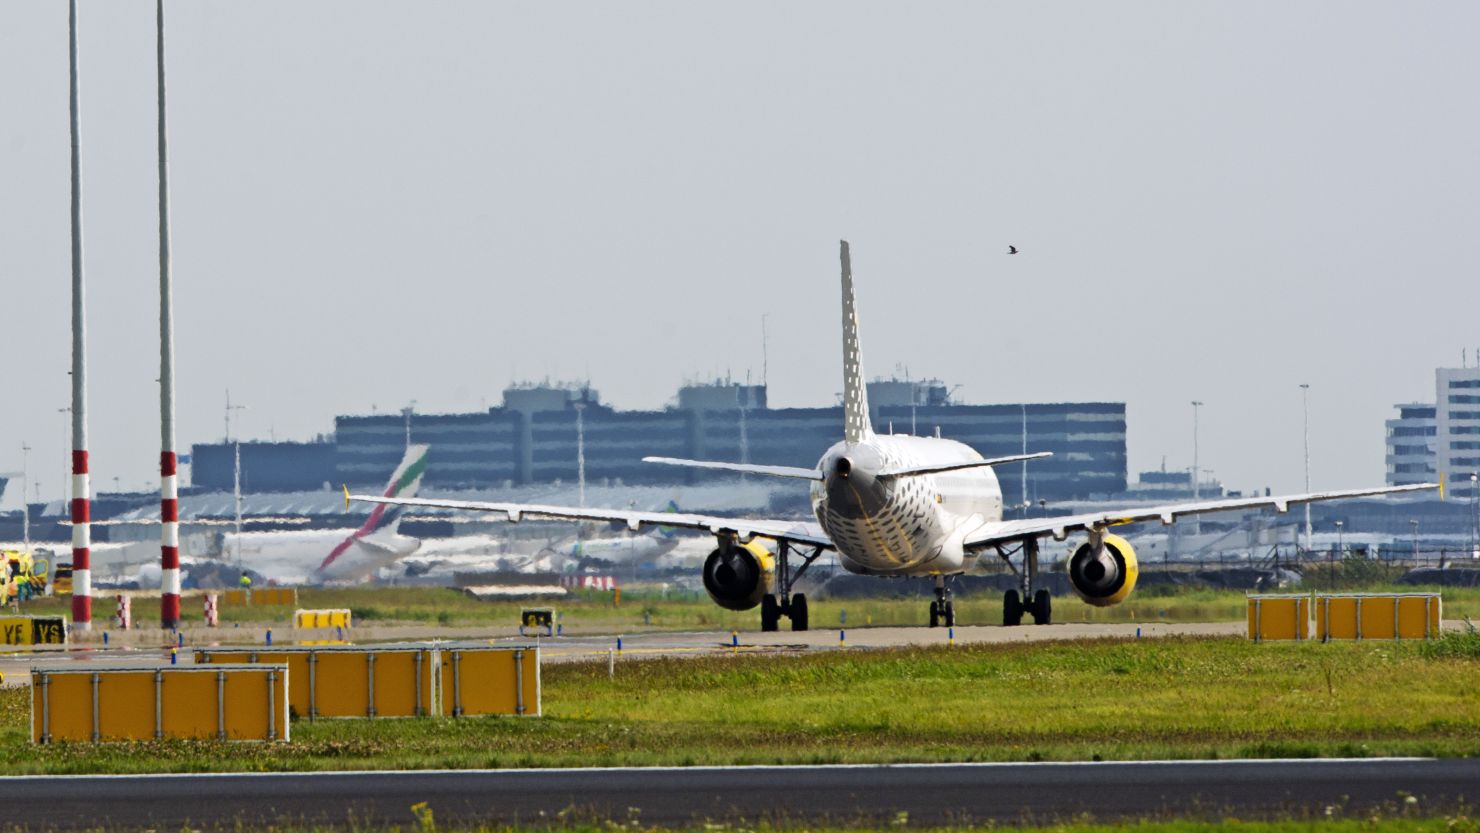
[1439, 439]
[537, 434]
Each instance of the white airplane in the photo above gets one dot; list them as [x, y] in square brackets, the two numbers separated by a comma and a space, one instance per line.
[336, 555]
[897, 506]
[443, 558]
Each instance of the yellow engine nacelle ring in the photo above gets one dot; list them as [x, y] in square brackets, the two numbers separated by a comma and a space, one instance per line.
[741, 584]
[1105, 576]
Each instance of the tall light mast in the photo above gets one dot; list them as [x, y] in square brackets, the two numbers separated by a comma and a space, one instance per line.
[81, 507]
[25, 507]
[169, 493]
[1305, 408]
[236, 493]
[1196, 471]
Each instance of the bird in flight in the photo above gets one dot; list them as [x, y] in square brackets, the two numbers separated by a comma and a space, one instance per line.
[1012, 250]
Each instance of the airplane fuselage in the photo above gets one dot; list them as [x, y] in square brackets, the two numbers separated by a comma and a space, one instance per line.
[903, 525]
[297, 557]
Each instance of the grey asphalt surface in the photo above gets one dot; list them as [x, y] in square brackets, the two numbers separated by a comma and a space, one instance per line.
[146, 648]
[929, 794]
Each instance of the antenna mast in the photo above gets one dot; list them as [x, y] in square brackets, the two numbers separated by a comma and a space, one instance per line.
[765, 356]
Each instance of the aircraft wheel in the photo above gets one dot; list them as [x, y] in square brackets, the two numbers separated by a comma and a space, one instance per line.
[798, 612]
[935, 614]
[1012, 609]
[1042, 607]
[950, 614]
[770, 613]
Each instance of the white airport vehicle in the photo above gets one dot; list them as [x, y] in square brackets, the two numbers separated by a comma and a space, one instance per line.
[896, 506]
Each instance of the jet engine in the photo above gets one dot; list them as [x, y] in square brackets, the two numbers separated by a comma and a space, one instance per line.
[739, 582]
[1104, 575]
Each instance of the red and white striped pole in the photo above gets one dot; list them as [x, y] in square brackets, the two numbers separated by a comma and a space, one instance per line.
[169, 493]
[81, 512]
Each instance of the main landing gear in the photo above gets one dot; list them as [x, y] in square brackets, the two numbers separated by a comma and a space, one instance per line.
[784, 602]
[942, 610]
[1038, 604]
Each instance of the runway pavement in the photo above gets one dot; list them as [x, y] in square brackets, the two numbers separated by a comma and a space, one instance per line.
[149, 648]
[918, 794]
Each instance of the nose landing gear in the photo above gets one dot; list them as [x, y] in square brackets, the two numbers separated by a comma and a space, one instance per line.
[942, 610]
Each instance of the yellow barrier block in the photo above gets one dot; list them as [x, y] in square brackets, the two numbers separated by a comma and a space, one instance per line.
[33, 630]
[260, 596]
[348, 681]
[283, 596]
[1279, 617]
[338, 618]
[481, 680]
[225, 702]
[1378, 616]
[1420, 616]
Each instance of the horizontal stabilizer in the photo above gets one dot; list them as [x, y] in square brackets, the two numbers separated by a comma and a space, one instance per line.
[911, 471]
[742, 468]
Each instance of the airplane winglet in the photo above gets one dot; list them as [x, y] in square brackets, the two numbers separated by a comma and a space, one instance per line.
[346, 496]
[1441, 486]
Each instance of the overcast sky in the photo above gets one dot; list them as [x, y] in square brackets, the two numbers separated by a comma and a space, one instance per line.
[379, 202]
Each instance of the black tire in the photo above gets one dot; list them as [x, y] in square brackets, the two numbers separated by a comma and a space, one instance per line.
[934, 614]
[950, 614]
[1012, 609]
[770, 613]
[1042, 608]
[798, 612]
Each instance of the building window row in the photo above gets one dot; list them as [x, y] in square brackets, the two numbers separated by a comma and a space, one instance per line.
[1464, 399]
[1464, 383]
[1410, 468]
[1410, 431]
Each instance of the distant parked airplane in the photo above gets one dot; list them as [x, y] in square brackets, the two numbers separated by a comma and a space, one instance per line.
[337, 555]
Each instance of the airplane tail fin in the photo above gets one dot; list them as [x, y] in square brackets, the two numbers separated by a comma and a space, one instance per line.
[665, 531]
[856, 425]
[404, 482]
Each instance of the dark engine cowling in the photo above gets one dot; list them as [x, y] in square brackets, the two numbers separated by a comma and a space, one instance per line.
[739, 582]
[1105, 576]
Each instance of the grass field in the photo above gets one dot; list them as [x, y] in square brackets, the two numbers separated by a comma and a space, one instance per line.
[654, 609]
[1397, 820]
[694, 610]
[1102, 699]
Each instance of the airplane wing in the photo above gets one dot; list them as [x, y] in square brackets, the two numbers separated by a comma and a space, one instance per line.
[809, 534]
[1007, 532]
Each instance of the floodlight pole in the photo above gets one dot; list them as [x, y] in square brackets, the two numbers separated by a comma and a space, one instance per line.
[1196, 471]
[81, 506]
[169, 493]
[25, 506]
[1305, 407]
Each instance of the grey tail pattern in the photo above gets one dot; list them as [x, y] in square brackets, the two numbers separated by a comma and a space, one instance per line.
[856, 427]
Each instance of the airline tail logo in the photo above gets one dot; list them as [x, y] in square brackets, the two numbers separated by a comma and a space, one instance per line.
[404, 482]
[668, 531]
